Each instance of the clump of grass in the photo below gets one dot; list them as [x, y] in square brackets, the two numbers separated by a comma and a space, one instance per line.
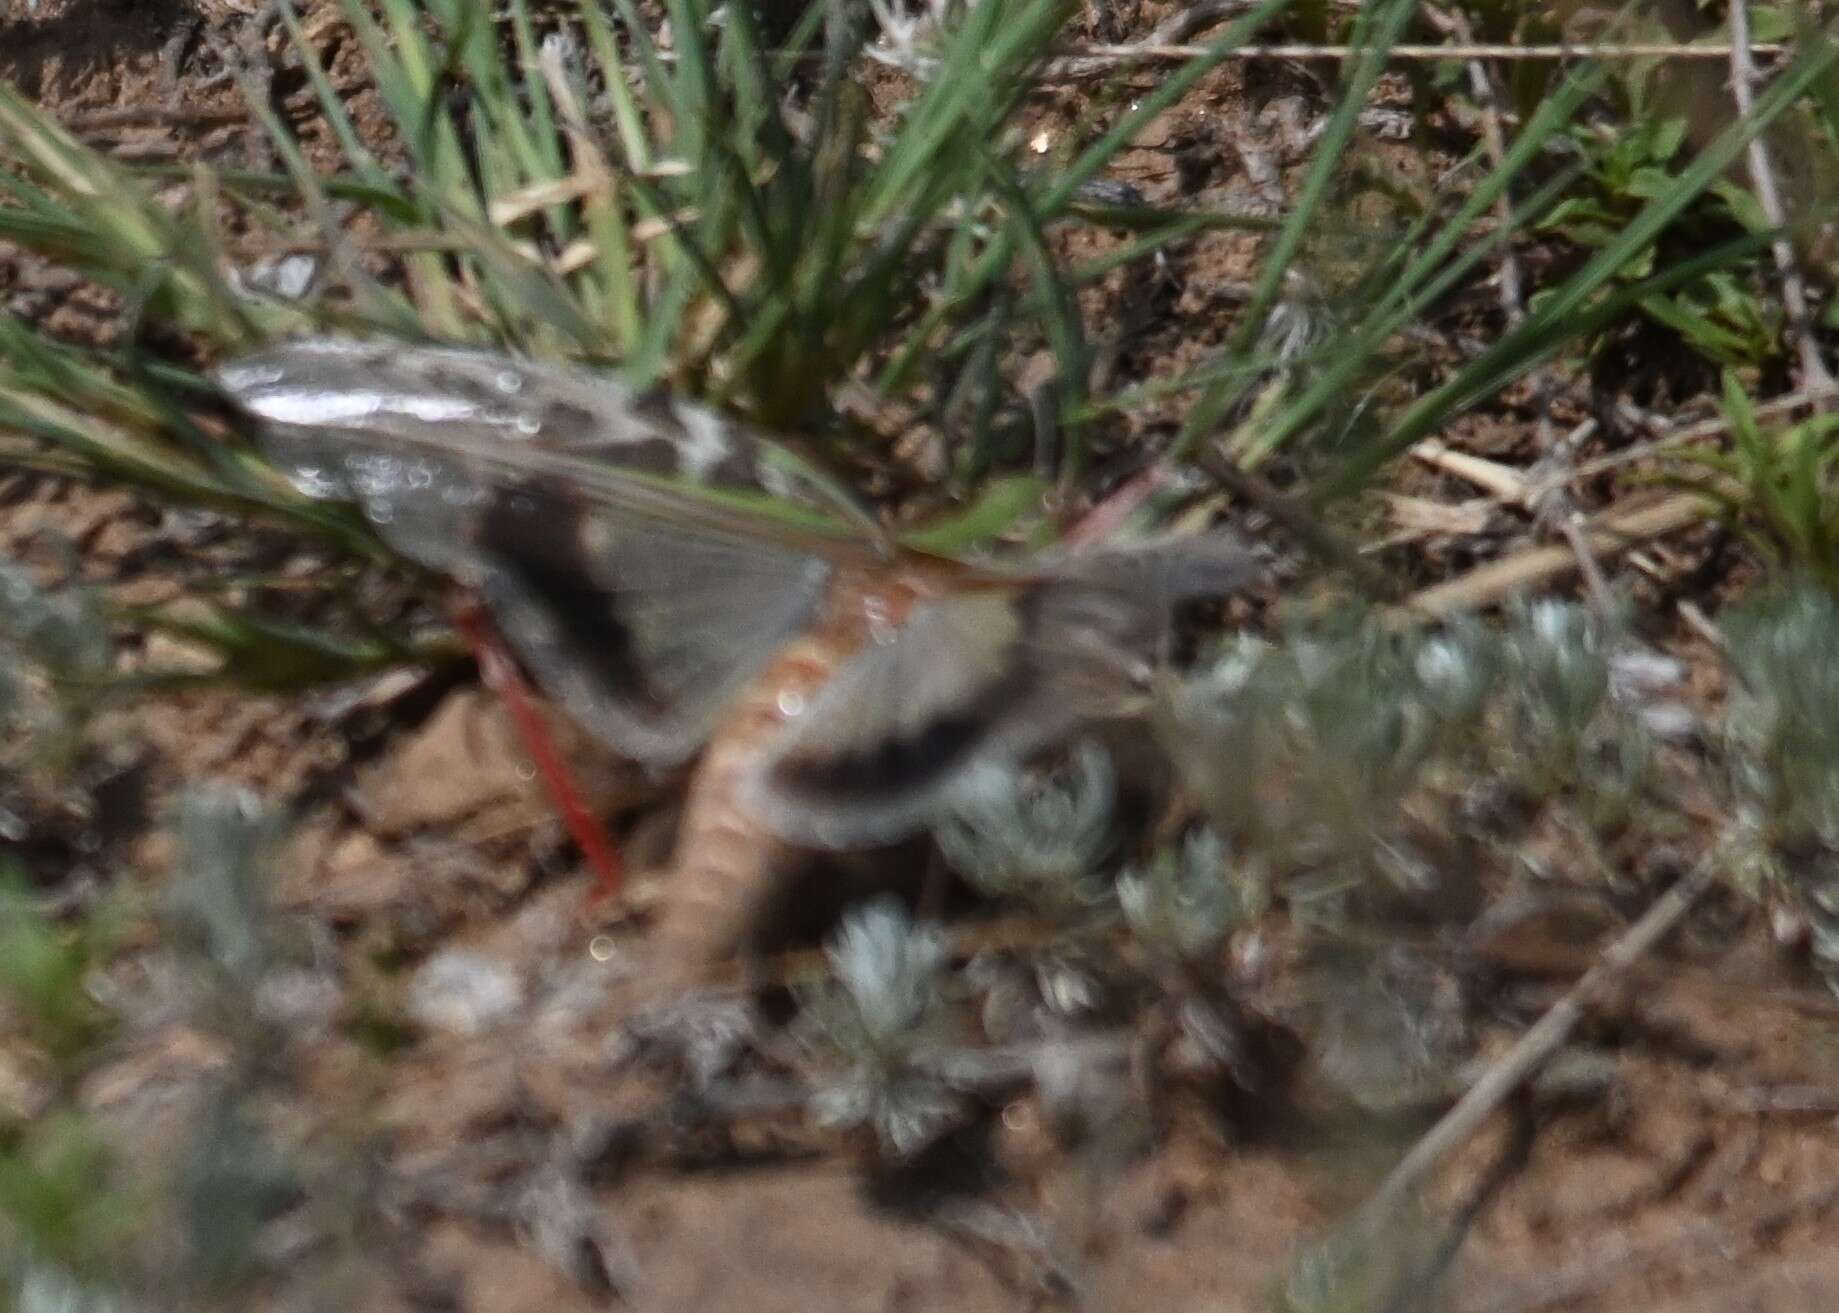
[1778, 487]
[599, 192]
[725, 213]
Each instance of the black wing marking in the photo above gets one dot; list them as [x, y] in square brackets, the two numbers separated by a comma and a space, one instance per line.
[643, 608]
[989, 675]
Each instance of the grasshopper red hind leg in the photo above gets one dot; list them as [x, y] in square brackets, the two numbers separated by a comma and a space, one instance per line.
[502, 677]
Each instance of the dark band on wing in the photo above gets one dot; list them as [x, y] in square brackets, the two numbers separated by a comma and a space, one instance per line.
[896, 767]
[534, 538]
[1076, 638]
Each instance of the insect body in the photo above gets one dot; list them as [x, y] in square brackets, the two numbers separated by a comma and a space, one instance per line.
[841, 689]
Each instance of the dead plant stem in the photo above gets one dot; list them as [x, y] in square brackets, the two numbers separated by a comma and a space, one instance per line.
[1545, 1038]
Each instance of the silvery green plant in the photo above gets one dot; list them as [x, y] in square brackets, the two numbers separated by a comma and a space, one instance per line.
[1218, 726]
[1457, 674]
[885, 1008]
[1782, 720]
[1361, 733]
[1781, 729]
[1305, 750]
[1559, 656]
[55, 654]
[232, 1180]
[1037, 839]
[61, 629]
[1183, 902]
[1389, 1029]
[44, 1288]
[1562, 720]
[218, 899]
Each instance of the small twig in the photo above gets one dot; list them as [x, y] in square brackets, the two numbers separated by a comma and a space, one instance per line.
[1487, 584]
[1814, 374]
[1557, 508]
[1487, 95]
[1596, 583]
[1547, 1035]
[1700, 623]
[1709, 428]
[1503, 481]
[1111, 56]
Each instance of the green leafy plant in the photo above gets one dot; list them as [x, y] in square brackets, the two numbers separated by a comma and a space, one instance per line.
[1432, 259]
[1726, 316]
[64, 1208]
[44, 973]
[1625, 167]
[1780, 487]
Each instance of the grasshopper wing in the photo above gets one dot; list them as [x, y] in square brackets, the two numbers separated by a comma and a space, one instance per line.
[577, 508]
[989, 674]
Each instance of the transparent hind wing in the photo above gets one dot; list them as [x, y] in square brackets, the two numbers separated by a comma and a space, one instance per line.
[646, 635]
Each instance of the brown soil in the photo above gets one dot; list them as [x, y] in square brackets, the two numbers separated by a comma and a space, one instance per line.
[460, 1049]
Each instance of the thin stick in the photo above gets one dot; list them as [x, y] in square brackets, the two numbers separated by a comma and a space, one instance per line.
[1614, 532]
[1709, 428]
[1814, 374]
[1487, 95]
[1504, 482]
[1596, 583]
[1547, 1035]
[1151, 52]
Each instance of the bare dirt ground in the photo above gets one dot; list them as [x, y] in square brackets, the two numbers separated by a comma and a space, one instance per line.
[459, 1049]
